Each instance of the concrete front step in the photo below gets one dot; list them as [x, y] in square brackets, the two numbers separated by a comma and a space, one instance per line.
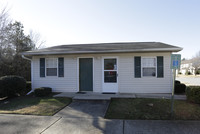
[91, 97]
[100, 96]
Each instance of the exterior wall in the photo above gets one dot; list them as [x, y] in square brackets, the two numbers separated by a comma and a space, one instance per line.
[187, 67]
[183, 71]
[127, 83]
[68, 83]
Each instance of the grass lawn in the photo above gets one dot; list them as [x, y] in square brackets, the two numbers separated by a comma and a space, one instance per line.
[33, 105]
[139, 109]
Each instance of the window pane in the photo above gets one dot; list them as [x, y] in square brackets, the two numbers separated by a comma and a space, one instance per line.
[149, 71]
[148, 62]
[110, 64]
[110, 76]
[51, 71]
[51, 63]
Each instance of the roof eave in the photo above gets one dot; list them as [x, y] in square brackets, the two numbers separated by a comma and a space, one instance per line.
[109, 51]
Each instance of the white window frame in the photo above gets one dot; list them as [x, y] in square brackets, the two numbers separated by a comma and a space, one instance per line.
[142, 58]
[114, 70]
[47, 67]
[112, 87]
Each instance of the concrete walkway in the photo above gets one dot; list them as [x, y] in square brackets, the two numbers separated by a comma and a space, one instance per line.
[100, 96]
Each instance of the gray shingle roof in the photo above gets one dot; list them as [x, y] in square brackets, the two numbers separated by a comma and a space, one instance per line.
[123, 47]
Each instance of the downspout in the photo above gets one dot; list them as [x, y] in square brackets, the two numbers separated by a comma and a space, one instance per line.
[31, 73]
[26, 58]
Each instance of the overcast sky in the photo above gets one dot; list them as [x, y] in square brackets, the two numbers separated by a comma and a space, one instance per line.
[176, 22]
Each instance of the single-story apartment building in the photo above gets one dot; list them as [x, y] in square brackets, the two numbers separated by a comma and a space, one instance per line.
[127, 67]
[186, 66]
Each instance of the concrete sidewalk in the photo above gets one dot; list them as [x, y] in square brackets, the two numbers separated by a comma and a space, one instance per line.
[102, 126]
[28, 124]
[100, 96]
[84, 109]
[25, 124]
[86, 126]
[161, 127]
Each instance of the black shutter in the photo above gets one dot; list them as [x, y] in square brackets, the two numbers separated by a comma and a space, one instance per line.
[160, 70]
[42, 67]
[60, 67]
[137, 67]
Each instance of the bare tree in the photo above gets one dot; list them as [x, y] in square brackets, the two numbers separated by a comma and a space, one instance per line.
[196, 61]
[4, 19]
[36, 38]
[13, 41]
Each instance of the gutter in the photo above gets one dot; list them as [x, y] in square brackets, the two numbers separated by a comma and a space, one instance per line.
[102, 52]
[30, 92]
[31, 72]
[26, 58]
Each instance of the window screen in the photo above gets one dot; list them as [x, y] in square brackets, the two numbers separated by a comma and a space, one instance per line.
[149, 67]
[51, 66]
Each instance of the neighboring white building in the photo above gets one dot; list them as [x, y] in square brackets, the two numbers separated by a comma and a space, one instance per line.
[135, 67]
[186, 65]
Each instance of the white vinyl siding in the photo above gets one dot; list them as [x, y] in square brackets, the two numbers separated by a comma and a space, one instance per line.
[58, 84]
[127, 83]
[97, 74]
[130, 84]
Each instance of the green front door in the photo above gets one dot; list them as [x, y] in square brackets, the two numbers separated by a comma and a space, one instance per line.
[86, 74]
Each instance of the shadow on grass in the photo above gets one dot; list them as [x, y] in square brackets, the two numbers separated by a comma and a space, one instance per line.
[152, 109]
[33, 105]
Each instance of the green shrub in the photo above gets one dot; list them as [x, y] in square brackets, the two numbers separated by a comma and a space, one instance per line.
[12, 85]
[188, 73]
[180, 88]
[1, 89]
[177, 82]
[28, 88]
[193, 94]
[197, 72]
[42, 91]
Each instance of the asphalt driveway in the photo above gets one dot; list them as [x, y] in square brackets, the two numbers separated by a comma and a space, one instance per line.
[189, 80]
